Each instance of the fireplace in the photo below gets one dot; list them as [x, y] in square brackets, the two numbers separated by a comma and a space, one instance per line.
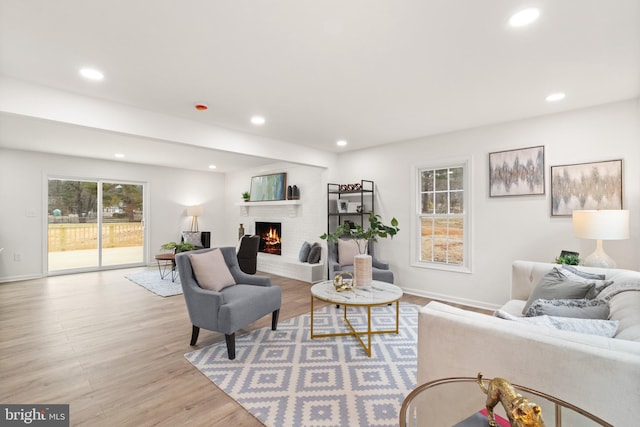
[270, 237]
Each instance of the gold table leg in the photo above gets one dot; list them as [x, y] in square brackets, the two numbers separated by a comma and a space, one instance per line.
[356, 333]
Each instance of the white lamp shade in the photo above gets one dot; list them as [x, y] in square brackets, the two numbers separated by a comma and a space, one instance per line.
[601, 225]
[194, 210]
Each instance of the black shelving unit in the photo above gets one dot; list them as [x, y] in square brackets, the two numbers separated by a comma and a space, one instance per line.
[352, 202]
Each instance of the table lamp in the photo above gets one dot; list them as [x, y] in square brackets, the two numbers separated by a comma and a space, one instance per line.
[601, 225]
[194, 212]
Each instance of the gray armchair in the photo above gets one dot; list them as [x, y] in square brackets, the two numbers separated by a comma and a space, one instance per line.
[232, 308]
[380, 270]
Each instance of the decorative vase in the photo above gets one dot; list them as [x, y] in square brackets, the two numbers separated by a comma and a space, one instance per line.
[362, 268]
[240, 231]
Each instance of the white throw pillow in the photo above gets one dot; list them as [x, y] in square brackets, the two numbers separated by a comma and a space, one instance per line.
[348, 248]
[211, 271]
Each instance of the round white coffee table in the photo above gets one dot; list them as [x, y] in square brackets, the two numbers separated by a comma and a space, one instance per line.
[379, 293]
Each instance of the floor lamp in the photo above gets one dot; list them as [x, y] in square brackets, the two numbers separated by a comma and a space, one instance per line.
[194, 212]
[599, 226]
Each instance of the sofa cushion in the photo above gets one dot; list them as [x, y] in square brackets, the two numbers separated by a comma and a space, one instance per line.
[625, 307]
[576, 308]
[514, 307]
[604, 328]
[211, 270]
[304, 252]
[555, 285]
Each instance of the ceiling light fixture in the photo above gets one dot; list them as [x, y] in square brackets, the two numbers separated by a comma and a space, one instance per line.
[524, 17]
[119, 155]
[257, 120]
[91, 74]
[212, 166]
[341, 143]
[555, 97]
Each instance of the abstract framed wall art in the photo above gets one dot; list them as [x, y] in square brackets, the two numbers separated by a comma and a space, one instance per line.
[268, 187]
[596, 185]
[516, 172]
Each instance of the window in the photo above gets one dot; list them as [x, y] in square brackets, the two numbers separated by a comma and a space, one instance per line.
[442, 217]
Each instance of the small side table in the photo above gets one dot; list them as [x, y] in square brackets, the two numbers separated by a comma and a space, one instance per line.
[167, 265]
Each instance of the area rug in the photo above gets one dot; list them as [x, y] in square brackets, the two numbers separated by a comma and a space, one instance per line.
[284, 378]
[149, 279]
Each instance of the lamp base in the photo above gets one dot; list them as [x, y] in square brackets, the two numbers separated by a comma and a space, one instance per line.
[599, 258]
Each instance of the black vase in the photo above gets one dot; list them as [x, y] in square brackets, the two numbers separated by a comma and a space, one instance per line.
[289, 192]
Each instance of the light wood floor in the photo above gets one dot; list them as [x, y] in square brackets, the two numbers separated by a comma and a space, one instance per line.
[115, 352]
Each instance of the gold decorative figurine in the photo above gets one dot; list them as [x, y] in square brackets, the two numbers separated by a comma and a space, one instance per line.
[342, 283]
[521, 411]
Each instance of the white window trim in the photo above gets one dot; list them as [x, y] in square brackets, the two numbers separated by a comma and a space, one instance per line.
[466, 267]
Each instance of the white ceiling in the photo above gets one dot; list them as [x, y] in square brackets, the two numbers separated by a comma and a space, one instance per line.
[368, 71]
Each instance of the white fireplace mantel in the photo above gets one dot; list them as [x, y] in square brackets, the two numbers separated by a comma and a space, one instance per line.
[292, 206]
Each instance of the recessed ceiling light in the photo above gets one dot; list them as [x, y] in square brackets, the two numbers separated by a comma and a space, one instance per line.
[119, 155]
[555, 97]
[341, 143]
[524, 17]
[91, 74]
[257, 120]
[212, 166]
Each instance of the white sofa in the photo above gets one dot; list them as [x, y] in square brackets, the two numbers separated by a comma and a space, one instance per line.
[598, 374]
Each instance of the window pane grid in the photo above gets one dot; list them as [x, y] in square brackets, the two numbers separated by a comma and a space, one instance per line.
[442, 215]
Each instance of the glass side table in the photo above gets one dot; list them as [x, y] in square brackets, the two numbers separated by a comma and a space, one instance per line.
[450, 401]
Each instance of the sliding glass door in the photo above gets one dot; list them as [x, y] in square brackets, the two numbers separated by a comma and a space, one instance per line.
[94, 224]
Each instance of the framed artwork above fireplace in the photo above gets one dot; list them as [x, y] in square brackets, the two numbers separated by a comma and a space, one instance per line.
[268, 187]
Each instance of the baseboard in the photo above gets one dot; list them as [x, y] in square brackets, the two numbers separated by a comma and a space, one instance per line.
[454, 300]
[20, 278]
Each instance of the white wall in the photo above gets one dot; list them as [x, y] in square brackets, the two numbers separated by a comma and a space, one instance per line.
[507, 228]
[23, 191]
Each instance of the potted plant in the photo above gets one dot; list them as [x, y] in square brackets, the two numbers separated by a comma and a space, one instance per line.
[178, 247]
[362, 237]
[246, 196]
[568, 259]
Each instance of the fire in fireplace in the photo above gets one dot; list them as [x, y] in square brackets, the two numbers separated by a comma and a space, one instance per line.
[270, 237]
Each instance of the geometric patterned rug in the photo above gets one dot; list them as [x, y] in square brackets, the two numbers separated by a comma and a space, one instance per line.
[284, 378]
[149, 279]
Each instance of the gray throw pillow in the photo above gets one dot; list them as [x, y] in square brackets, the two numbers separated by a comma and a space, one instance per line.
[314, 253]
[555, 285]
[304, 252]
[598, 280]
[576, 308]
[582, 273]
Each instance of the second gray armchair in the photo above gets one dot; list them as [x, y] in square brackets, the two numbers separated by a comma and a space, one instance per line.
[380, 270]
